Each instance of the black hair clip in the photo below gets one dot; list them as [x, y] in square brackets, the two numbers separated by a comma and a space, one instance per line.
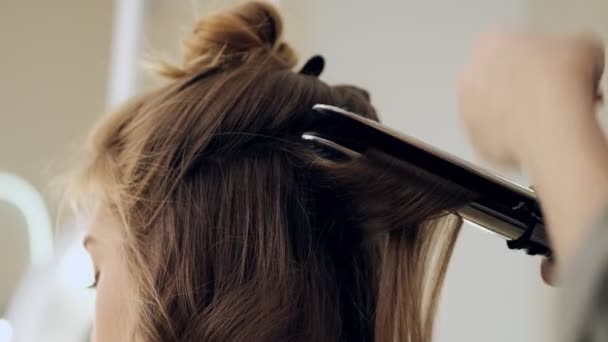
[314, 66]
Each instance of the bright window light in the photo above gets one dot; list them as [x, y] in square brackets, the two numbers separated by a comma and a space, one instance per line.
[6, 331]
[76, 267]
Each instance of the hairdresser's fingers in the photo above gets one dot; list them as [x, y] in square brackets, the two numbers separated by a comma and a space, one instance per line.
[599, 73]
[591, 59]
[518, 88]
[548, 272]
[547, 266]
[581, 63]
[595, 49]
[478, 116]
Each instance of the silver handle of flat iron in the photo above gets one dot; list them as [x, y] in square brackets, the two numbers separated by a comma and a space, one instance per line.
[499, 227]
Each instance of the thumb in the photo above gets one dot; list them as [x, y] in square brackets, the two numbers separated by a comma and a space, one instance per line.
[548, 271]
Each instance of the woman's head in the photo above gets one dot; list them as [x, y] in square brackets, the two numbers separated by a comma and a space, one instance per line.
[215, 222]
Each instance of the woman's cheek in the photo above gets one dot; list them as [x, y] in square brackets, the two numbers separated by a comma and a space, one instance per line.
[113, 313]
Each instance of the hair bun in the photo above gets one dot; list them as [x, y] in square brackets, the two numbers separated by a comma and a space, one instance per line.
[251, 31]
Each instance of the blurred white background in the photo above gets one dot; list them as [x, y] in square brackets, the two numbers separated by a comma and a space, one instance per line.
[63, 63]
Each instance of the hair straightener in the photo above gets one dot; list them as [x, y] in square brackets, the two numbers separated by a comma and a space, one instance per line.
[500, 206]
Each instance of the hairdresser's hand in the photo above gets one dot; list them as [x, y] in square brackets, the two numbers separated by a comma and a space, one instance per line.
[547, 272]
[519, 87]
[529, 101]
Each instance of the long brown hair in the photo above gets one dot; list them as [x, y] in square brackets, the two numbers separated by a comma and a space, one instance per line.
[238, 231]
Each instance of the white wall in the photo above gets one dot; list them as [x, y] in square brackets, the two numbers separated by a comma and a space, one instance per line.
[53, 66]
[407, 53]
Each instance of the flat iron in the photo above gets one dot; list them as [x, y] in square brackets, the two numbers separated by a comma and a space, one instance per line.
[501, 206]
